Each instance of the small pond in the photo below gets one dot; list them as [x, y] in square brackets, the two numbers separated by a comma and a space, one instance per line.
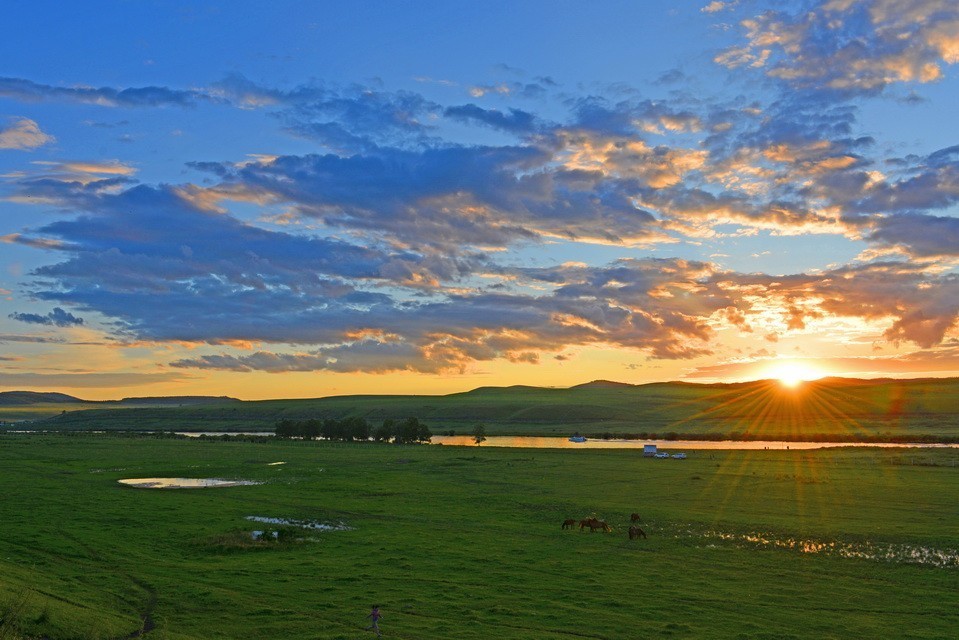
[184, 483]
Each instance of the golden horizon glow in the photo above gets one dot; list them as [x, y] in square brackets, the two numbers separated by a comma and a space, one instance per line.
[792, 373]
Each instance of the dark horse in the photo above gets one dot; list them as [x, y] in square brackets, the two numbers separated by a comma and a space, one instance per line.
[569, 524]
[635, 532]
[594, 524]
[634, 517]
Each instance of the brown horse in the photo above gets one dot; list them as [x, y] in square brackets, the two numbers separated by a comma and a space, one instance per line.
[634, 517]
[594, 524]
[569, 523]
[635, 532]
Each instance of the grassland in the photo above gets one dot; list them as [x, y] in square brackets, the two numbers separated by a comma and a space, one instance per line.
[466, 542]
[829, 409]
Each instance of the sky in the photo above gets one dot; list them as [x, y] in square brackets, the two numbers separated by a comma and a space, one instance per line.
[303, 199]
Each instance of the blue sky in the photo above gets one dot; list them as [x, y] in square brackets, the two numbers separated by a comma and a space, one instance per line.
[302, 199]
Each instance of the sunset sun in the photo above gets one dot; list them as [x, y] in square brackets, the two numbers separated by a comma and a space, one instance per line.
[791, 374]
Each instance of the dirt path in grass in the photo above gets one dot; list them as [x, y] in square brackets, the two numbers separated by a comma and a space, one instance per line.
[147, 624]
[146, 614]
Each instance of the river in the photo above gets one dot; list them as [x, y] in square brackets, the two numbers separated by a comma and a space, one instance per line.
[539, 442]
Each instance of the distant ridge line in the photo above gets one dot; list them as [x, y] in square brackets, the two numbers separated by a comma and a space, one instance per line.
[26, 398]
[16, 398]
[23, 398]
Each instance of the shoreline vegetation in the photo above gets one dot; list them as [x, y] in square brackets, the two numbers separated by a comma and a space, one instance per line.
[628, 437]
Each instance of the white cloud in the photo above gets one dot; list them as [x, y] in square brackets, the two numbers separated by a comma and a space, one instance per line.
[24, 134]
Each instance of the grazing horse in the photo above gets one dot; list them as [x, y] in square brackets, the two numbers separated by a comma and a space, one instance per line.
[569, 523]
[634, 517]
[594, 524]
[635, 532]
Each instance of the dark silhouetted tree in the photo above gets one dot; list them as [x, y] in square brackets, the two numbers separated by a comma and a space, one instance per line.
[479, 434]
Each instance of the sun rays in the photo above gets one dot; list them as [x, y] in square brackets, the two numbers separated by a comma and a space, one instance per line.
[792, 404]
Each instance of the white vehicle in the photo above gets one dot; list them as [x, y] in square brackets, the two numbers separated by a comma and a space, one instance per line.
[662, 454]
[679, 456]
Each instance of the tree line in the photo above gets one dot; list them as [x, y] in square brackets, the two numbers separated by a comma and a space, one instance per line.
[409, 431]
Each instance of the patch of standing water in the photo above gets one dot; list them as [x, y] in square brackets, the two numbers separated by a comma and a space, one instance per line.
[184, 483]
[261, 535]
[305, 524]
[884, 552]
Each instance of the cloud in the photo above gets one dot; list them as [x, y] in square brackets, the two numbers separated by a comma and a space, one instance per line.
[6, 337]
[449, 197]
[516, 121]
[360, 119]
[914, 185]
[23, 134]
[58, 317]
[584, 306]
[908, 299]
[633, 172]
[661, 307]
[716, 6]
[851, 47]
[918, 235]
[369, 356]
[942, 361]
[29, 91]
[396, 255]
[27, 241]
[167, 269]
[29, 380]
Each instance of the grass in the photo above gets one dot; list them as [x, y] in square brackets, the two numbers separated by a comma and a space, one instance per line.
[466, 542]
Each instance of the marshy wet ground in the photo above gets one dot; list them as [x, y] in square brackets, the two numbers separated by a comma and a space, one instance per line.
[303, 524]
[863, 550]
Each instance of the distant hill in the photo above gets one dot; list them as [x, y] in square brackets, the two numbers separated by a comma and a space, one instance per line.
[24, 398]
[840, 409]
[21, 398]
[604, 384]
[178, 400]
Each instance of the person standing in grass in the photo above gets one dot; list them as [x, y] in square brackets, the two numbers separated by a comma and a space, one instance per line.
[374, 617]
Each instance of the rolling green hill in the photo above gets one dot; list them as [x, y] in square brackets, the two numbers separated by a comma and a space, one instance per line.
[831, 408]
[19, 406]
[23, 398]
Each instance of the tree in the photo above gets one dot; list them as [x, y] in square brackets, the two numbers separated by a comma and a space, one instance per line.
[357, 428]
[411, 431]
[285, 428]
[386, 431]
[479, 434]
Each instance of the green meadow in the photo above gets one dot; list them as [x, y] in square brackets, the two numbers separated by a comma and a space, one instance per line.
[466, 542]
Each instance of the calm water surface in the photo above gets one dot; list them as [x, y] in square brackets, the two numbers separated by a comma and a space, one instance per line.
[555, 442]
[184, 483]
[538, 442]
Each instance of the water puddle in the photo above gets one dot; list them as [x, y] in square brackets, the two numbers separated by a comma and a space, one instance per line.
[184, 483]
[304, 524]
[264, 535]
[882, 552]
